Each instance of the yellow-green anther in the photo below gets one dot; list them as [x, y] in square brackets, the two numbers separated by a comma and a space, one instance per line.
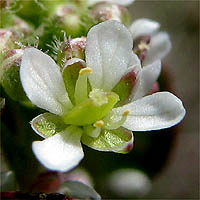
[143, 45]
[99, 123]
[125, 113]
[81, 91]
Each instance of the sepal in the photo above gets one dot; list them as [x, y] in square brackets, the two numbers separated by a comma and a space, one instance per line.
[125, 87]
[119, 140]
[47, 124]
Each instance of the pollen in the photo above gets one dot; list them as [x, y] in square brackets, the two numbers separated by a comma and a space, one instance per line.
[99, 123]
[126, 112]
[85, 70]
[143, 46]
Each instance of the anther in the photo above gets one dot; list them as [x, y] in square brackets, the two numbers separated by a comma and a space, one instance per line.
[143, 45]
[99, 123]
[126, 112]
[85, 70]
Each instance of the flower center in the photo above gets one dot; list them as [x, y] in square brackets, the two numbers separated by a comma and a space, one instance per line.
[89, 108]
[92, 109]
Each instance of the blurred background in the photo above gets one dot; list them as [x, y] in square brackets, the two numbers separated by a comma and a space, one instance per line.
[179, 178]
[163, 164]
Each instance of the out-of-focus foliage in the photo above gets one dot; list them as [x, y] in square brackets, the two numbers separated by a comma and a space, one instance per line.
[8, 182]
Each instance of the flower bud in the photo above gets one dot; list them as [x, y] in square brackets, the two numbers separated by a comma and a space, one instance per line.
[7, 39]
[21, 27]
[141, 46]
[78, 174]
[106, 11]
[9, 76]
[69, 19]
[131, 183]
[75, 48]
[71, 48]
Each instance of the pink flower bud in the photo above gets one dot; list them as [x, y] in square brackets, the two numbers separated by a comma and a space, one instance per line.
[75, 48]
[106, 11]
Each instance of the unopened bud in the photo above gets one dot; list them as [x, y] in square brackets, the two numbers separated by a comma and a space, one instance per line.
[21, 27]
[75, 48]
[7, 39]
[9, 75]
[71, 48]
[107, 11]
[69, 19]
[130, 183]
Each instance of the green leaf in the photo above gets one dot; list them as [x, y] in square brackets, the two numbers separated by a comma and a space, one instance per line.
[125, 87]
[119, 140]
[75, 189]
[8, 182]
[47, 124]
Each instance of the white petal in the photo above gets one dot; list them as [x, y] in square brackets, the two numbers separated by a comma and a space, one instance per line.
[60, 152]
[42, 82]
[159, 47]
[146, 78]
[134, 64]
[143, 27]
[157, 111]
[108, 53]
[120, 2]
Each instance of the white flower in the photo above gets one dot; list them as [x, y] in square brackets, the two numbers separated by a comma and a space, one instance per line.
[120, 2]
[94, 119]
[160, 43]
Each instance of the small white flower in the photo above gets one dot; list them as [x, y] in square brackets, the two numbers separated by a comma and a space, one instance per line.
[94, 119]
[160, 43]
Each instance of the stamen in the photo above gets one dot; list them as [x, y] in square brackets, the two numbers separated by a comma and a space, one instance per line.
[114, 120]
[143, 46]
[85, 70]
[126, 112]
[81, 92]
[99, 123]
[92, 131]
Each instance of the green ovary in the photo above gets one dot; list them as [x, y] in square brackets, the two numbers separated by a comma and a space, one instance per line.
[97, 106]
